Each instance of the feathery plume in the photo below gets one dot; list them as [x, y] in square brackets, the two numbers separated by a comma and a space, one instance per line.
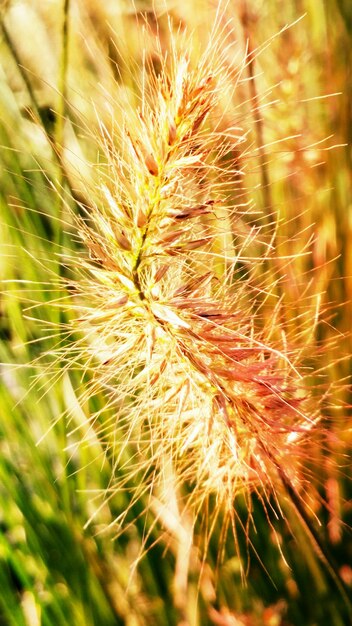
[180, 325]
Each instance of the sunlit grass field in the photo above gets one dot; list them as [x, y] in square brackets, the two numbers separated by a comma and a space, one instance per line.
[77, 547]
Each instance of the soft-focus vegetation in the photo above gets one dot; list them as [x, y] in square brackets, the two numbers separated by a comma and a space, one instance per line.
[67, 69]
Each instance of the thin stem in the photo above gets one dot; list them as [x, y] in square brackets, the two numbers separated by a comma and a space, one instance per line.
[61, 114]
[258, 122]
[61, 183]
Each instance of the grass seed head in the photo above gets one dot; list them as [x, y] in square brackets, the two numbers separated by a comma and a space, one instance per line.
[182, 326]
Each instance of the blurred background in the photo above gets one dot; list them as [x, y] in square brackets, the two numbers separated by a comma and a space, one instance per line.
[64, 68]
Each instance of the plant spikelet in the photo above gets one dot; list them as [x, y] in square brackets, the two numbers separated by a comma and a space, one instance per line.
[181, 327]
